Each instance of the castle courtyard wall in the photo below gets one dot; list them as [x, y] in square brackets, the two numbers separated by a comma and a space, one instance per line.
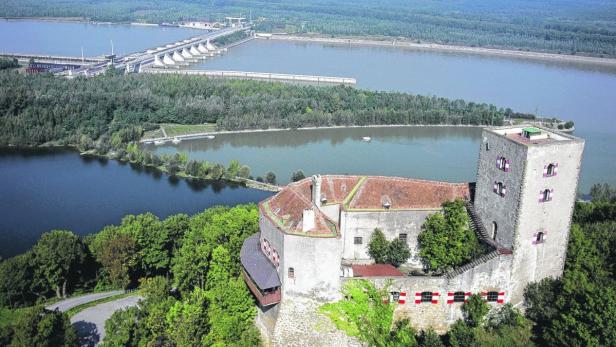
[491, 273]
[391, 222]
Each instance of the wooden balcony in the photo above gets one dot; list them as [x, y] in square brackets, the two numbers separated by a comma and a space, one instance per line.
[269, 297]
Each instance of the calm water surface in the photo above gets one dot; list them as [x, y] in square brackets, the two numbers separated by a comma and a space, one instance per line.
[440, 153]
[584, 94]
[45, 190]
[67, 38]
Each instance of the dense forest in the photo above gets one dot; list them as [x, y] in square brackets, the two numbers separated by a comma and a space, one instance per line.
[188, 270]
[560, 26]
[197, 256]
[116, 109]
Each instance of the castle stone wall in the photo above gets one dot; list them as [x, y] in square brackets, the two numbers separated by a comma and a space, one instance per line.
[490, 206]
[316, 266]
[392, 223]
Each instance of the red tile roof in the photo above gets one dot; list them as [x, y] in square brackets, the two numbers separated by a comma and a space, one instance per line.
[286, 208]
[404, 193]
[376, 270]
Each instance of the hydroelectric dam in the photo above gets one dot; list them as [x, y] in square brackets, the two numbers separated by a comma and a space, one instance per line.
[172, 58]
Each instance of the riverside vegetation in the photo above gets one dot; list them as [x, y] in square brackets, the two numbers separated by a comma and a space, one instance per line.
[107, 115]
[558, 26]
[198, 257]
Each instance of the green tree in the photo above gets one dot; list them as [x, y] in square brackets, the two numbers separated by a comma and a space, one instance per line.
[192, 168]
[153, 242]
[244, 171]
[398, 252]
[297, 176]
[187, 320]
[461, 335]
[39, 327]
[118, 256]
[231, 307]
[270, 178]
[429, 339]
[378, 247]
[364, 313]
[233, 169]
[447, 240]
[58, 256]
[16, 276]
[122, 328]
[475, 311]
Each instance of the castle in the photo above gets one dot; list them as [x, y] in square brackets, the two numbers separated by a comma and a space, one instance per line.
[314, 233]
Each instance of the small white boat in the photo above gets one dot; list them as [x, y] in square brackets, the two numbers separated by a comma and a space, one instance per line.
[210, 137]
[176, 140]
[159, 142]
[366, 139]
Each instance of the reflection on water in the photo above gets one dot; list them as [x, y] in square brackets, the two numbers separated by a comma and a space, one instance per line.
[47, 189]
[444, 153]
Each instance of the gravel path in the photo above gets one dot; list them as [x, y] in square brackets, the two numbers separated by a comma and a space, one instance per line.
[90, 323]
[67, 304]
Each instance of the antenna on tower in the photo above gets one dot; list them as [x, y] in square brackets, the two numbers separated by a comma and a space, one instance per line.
[111, 47]
[83, 60]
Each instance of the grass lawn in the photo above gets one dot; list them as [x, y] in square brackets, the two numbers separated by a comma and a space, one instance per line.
[180, 129]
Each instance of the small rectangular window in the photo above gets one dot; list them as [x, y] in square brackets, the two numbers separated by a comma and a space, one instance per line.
[358, 240]
[426, 297]
[492, 296]
[402, 237]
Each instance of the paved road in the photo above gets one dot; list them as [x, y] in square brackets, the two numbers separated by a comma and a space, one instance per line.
[90, 323]
[67, 304]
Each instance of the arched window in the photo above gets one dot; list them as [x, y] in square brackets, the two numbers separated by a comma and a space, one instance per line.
[550, 170]
[426, 296]
[291, 273]
[499, 188]
[540, 237]
[494, 230]
[545, 195]
[459, 297]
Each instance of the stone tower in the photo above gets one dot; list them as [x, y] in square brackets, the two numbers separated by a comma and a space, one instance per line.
[526, 188]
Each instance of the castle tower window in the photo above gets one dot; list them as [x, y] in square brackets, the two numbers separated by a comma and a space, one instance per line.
[550, 170]
[358, 240]
[539, 237]
[494, 230]
[502, 163]
[499, 188]
[402, 237]
[546, 195]
[291, 273]
[487, 146]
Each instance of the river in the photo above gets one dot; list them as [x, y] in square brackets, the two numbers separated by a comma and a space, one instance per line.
[43, 190]
[62, 190]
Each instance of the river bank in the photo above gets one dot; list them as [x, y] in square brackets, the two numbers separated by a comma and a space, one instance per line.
[247, 182]
[531, 55]
[199, 135]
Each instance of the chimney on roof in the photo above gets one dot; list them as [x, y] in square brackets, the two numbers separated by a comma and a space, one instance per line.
[308, 221]
[316, 190]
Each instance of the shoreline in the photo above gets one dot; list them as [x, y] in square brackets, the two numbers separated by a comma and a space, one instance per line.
[435, 47]
[244, 131]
